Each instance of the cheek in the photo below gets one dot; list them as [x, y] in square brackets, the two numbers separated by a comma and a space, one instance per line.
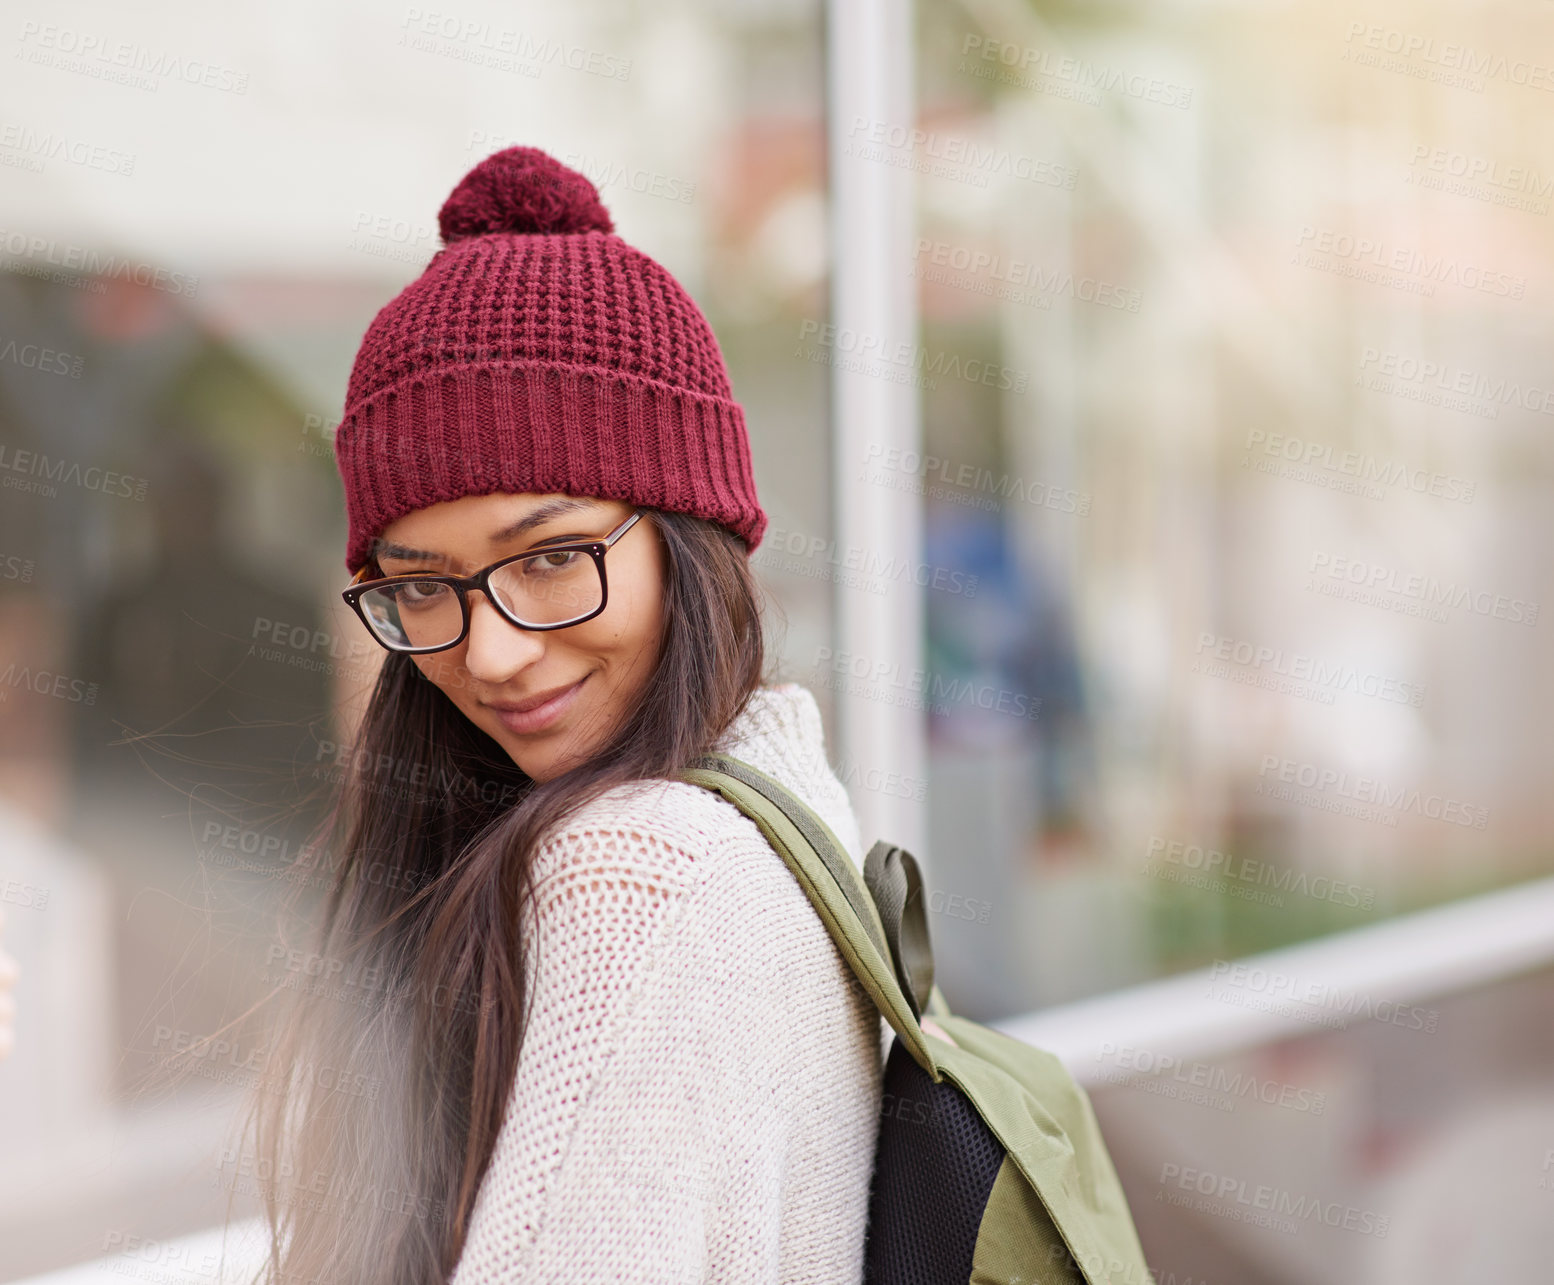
[641, 617]
[623, 637]
[636, 629]
[445, 669]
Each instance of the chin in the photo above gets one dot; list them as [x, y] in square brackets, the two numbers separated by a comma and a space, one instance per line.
[535, 759]
[548, 753]
[540, 770]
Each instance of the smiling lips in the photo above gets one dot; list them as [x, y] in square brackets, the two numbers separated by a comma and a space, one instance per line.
[521, 717]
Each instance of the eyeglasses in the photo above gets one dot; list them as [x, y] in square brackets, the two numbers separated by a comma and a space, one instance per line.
[551, 588]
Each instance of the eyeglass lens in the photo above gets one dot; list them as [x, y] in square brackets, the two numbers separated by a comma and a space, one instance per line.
[550, 588]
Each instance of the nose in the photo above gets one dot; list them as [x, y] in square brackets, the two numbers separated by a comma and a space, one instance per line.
[496, 649]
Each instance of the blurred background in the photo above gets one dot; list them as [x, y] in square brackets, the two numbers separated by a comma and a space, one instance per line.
[1235, 487]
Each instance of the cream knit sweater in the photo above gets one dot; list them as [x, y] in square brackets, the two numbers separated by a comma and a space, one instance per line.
[699, 1087]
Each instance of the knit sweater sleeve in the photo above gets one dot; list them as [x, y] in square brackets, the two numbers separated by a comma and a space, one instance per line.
[598, 1172]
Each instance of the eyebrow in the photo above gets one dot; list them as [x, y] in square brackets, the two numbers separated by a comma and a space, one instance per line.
[547, 512]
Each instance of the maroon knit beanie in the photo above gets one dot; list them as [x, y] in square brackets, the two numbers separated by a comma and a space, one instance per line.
[539, 352]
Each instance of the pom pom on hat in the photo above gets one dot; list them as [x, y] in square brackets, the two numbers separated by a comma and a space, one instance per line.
[522, 190]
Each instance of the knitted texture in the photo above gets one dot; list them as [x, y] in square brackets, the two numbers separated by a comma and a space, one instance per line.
[538, 352]
[698, 1094]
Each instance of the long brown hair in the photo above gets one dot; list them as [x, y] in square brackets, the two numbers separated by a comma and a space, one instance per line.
[380, 1101]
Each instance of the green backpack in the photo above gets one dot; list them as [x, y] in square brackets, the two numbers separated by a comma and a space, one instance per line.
[990, 1168]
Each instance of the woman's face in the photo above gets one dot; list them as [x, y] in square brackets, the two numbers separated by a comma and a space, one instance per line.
[595, 670]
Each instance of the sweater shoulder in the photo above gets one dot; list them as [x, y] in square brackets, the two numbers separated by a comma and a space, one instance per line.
[651, 826]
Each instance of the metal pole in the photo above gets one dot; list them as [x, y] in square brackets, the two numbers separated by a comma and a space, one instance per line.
[880, 697]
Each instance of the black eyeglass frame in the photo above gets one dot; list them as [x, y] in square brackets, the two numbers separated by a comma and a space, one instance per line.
[462, 585]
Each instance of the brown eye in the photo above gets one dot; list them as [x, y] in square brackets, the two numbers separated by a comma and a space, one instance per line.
[420, 593]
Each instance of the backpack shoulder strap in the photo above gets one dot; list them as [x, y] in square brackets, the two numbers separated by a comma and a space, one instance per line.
[896, 885]
[826, 873]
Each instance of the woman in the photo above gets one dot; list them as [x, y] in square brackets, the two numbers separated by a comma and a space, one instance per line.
[566, 1018]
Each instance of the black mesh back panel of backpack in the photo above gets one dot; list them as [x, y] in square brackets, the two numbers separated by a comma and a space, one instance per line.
[934, 1167]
